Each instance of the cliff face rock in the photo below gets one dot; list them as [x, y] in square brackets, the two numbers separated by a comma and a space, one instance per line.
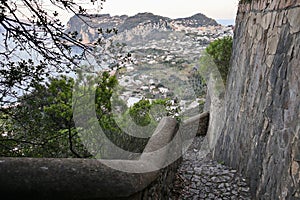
[260, 134]
[142, 24]
[196, 21]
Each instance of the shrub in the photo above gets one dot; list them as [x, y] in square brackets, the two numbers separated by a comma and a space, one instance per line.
[220, 50]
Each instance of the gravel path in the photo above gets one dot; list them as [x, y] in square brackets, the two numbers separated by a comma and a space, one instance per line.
[199, 177]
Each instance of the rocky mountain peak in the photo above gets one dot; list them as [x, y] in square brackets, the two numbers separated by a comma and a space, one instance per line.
[196, 20]
[88, 32]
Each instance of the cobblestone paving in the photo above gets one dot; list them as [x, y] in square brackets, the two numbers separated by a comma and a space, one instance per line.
[199, 177]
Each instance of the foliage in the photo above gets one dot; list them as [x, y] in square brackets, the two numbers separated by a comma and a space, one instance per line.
[104, 92]
[140, 121]
[201, 103]
[42, 124]
[145, 112]
[35, 44]
[103, 99]
[140, 112]
[198, 83]
[220, 50]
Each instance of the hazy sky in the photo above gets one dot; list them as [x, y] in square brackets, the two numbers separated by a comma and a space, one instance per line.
[217, 9]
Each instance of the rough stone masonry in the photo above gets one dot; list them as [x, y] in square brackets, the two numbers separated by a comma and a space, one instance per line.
[260, 132]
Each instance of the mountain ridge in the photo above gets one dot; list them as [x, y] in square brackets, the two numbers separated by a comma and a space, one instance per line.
[88, 26]
[194, 16]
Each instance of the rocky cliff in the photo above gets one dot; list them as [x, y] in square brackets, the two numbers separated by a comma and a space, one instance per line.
[260, 129]
[144, 24]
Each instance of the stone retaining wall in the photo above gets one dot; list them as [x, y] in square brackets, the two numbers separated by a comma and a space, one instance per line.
[260, 135]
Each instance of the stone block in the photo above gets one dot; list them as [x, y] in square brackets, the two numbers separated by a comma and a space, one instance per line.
[293, 17]
[272, 44]
[266, 20]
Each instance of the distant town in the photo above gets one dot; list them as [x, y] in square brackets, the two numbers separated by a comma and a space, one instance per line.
[165, 54]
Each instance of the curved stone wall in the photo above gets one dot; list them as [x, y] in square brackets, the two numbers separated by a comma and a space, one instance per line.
[53, 178]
